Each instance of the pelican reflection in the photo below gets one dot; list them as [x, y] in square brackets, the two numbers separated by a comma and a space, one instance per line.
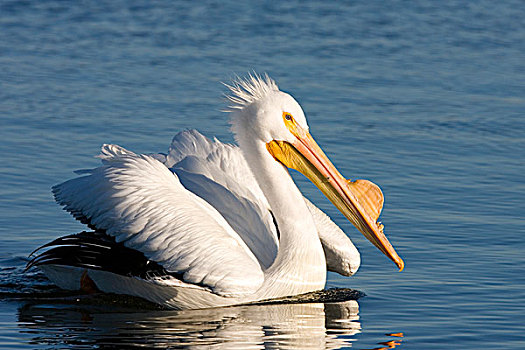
[277, 326]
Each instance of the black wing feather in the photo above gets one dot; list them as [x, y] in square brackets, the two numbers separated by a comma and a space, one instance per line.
[99, 251]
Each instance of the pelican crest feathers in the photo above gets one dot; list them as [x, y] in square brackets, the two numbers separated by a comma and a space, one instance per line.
[252, 88]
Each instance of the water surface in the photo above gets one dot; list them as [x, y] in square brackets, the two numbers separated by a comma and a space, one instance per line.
[426, 99]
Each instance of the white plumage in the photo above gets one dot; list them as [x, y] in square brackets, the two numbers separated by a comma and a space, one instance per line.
[225, 222]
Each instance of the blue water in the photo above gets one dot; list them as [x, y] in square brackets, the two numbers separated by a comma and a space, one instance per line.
[427, 99]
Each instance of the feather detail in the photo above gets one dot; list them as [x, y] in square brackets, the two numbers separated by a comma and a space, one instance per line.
[142, 204]
[245, 91]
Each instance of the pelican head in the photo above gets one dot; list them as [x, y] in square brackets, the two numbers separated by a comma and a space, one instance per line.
[265, 116]
[258, 109]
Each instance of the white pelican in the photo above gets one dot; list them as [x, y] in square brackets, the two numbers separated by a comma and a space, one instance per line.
[211, 224]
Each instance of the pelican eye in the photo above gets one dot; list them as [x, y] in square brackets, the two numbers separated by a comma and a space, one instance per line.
[288, 116]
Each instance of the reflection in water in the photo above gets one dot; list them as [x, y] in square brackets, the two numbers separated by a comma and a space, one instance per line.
[272, 326]
[391, 344]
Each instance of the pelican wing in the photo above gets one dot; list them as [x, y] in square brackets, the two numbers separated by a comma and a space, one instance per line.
[223, 163]
[219, 173]
[137, 200]
[341, 254]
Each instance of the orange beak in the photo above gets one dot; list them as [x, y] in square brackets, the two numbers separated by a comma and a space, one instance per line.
[360, 201]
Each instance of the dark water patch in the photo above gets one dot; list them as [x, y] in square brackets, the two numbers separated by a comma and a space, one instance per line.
[332, 295]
